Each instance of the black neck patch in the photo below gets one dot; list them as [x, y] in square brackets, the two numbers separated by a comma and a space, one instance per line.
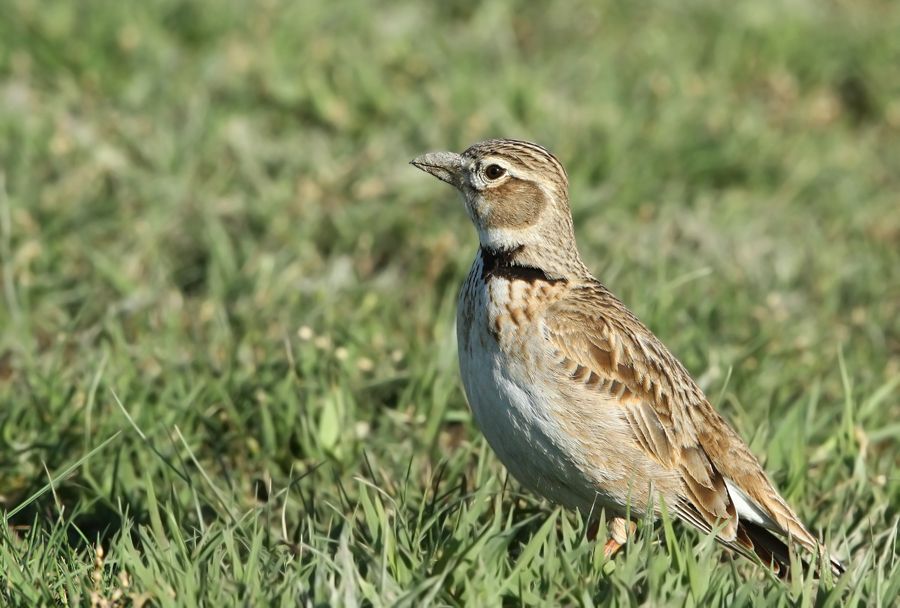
[501, 264]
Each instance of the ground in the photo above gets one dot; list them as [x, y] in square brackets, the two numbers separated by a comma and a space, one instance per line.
[227, 359]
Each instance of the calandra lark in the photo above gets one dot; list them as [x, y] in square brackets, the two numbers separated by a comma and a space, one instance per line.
[578, 398]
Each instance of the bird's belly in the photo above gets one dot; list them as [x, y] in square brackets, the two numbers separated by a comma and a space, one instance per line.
[512, 411]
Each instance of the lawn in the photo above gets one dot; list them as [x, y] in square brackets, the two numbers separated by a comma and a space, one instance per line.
[227, 353]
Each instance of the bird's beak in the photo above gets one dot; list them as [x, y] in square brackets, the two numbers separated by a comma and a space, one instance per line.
[446, 166]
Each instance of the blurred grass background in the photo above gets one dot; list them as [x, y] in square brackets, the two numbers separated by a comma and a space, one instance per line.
[226, 331]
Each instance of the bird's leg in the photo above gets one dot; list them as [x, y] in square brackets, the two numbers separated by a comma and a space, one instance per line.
[592, 529]
[619, 531]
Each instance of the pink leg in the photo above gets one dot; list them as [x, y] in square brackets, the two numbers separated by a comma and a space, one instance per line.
[619, 531]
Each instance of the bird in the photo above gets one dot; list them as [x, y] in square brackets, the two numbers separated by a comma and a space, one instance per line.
[578, 398]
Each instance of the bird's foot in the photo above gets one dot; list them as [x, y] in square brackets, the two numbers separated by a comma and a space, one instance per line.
[619, 531]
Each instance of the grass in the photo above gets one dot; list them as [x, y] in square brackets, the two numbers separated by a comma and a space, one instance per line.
[227, 364]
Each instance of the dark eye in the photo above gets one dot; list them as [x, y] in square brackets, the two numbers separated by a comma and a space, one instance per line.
[494, 171]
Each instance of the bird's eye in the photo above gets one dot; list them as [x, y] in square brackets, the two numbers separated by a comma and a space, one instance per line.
[494, 171]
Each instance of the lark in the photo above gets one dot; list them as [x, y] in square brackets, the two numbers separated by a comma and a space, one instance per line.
[575, 395]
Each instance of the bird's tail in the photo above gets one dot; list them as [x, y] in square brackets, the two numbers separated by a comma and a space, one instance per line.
[753, 539]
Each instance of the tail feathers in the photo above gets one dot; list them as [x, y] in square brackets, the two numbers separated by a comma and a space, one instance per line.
[765, 522]
[772, 550]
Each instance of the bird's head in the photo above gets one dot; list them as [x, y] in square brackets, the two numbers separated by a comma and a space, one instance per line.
[517, 195]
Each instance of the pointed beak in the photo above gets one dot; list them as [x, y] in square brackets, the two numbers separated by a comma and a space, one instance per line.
[446, 166]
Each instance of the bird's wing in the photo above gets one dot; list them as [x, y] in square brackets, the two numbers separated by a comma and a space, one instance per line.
[604, 345]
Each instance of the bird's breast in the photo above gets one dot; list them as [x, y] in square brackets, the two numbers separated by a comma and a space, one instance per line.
[501, 353]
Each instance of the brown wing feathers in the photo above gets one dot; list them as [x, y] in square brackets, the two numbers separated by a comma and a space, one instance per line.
[612, 355]
[609, 349]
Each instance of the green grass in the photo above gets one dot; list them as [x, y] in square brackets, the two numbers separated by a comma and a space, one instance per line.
[227, 360]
